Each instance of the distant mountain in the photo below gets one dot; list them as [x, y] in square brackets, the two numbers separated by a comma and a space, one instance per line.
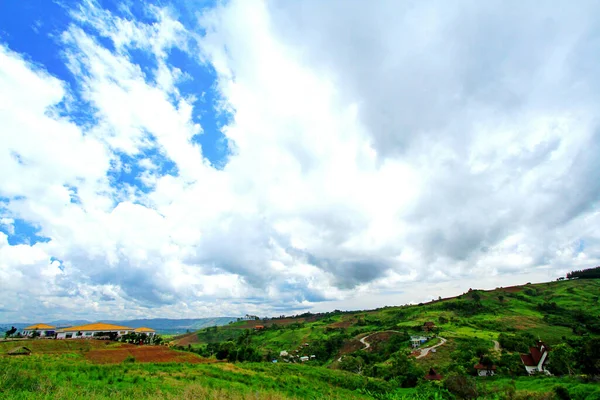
[172, 326]
[162, 325]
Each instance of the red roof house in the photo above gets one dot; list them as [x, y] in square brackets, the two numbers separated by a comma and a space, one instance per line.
[536, 359]
[484, 369]
[433, 376]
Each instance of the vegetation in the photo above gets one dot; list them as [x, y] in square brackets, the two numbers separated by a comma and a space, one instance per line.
[590, 273]
[236, 361]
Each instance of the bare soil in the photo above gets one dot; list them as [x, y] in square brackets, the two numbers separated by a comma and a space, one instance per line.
[143, 354]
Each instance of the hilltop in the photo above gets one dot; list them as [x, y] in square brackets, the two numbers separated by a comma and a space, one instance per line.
[495, 324]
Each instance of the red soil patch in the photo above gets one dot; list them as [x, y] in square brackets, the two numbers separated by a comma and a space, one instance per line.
[381, 337]
[350, 346]
[143, 354]
[188, 339]
[282, 322]
[511, 289]
[341, 324]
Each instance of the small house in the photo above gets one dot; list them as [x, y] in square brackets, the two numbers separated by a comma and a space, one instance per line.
[312, 356]
[428, 326]
[19, 351]
[536, 359]
[148, 331]
[283, 353]
[259, 327]
[432, 375]
[304, 358]
[485, 369]
[417, 341]
[44, 330]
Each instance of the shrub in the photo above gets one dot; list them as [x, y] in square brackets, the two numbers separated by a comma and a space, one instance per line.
[561, 392]
[462, 386]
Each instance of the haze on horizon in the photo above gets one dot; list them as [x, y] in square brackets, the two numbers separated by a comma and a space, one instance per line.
[188, 158]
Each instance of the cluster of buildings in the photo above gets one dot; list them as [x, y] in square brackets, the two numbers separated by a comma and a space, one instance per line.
[95, 330]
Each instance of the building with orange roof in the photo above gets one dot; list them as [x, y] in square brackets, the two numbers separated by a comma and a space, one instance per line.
[44, 330]
[148, 331]
[88, 331]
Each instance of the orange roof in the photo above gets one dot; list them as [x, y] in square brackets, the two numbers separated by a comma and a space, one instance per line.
[97, 326]
[38, 326]
[144, 329]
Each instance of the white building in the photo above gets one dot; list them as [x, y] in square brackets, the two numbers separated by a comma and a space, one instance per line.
[283, 353]
[485, 370]
[89, 331]
[304, 358]
[416, 341]
[43, 329]
[536, 359]
[148, 331]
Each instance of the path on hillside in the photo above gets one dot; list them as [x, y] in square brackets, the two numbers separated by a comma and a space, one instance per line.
[366, 344]
[426, 350]
[496, 345]
[363, 340]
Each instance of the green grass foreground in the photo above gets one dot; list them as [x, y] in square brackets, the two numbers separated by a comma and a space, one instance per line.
[69, 375]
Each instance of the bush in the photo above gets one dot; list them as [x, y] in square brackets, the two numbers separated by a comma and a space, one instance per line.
[561, 393]
[129, 359]
[462, 386]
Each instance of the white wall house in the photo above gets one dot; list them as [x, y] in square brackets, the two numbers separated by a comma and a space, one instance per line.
[43, 329]
[416, 341]
[485, 370]
[88, 331]
[148, 331]
[535, 361]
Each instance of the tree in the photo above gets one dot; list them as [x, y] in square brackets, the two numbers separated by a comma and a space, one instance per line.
[352, 364]
[405, 370]
[562, 361]
[10, 332]
[476, 296]
[501, 298]
[462, 386]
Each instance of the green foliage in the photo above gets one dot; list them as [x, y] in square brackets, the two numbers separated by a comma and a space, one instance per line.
[561, 393]
[519, 342]
[129, 359]
[463, 387]
[590, 273]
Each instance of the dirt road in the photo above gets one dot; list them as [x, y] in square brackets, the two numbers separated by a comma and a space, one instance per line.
[426, 350]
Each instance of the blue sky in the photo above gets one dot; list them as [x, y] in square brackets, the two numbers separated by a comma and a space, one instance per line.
[198, 158]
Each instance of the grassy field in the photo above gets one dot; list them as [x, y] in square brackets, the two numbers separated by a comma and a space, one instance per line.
[556, 312]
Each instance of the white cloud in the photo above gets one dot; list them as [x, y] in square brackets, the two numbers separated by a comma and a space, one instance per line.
[374, 153]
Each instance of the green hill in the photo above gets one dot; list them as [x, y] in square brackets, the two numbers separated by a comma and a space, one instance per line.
[360, 354]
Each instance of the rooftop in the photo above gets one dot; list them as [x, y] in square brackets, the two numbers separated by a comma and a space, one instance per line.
[144, 329]
[98, 326]
[38, 326]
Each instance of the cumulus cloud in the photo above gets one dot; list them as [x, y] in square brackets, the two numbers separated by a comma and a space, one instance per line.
[372, 152]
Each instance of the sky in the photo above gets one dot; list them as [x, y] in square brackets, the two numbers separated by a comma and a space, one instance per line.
[190, 158]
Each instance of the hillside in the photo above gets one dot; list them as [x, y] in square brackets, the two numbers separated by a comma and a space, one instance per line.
[360, 354]
[497, 324]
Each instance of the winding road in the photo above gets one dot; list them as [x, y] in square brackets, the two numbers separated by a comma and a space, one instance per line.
[365, 343]
[496, 345]
[426, 350]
